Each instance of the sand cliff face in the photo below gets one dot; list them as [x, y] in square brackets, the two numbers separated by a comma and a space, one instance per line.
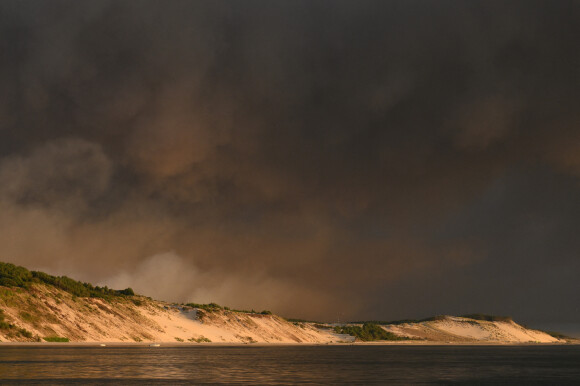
[44, 312]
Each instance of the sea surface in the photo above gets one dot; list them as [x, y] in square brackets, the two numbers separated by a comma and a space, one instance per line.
[354, 365]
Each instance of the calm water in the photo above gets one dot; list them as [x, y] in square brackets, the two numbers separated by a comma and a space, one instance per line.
[556, 365]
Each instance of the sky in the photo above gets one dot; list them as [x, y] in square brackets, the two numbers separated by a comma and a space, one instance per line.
[361, 160]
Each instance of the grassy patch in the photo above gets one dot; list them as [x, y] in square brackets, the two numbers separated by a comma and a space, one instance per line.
[216, 307]
[4, 325]
[7, 296]
[27, 317]
[294, 320]
[201, 339]
[249, 339]
[368, 332]
[25, 333]
[178, 339]
[206, 307]
[55, 339]
[13, 330]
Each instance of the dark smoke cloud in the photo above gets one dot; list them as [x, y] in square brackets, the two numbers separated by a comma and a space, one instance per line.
[375, 160]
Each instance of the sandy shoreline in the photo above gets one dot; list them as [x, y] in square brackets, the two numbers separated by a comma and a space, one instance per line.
[264, 344]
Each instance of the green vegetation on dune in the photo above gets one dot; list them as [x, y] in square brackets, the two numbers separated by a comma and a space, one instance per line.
[55, 339]
[389, 322]
[12, 330]
[368, 332]
[21, 291]
[206, 307]
[15, 276]
[216, 307]
[201, 339]
[402, 321]
[295, 320]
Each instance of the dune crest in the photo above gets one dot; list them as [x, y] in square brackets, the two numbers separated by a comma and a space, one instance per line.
[464, 330]
[37, 307]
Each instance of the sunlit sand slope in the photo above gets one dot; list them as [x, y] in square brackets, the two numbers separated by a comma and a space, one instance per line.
[459, 329]
[47, 312]
[43, 312]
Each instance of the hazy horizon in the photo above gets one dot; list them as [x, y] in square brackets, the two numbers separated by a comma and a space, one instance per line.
[372, 160]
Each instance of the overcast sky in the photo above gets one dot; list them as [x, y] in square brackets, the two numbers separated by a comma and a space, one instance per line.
[322, 159]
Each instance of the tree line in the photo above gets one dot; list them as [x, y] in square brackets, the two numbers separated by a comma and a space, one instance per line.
[16, 276]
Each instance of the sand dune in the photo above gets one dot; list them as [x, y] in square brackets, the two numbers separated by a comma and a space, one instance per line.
[459, 329]
[44, 311]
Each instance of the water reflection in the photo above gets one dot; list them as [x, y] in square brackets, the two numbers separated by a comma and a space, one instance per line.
[291, 364]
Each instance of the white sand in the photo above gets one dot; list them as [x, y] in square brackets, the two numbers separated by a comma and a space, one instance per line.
[51, 312]
[458, 329]
[45, 311]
